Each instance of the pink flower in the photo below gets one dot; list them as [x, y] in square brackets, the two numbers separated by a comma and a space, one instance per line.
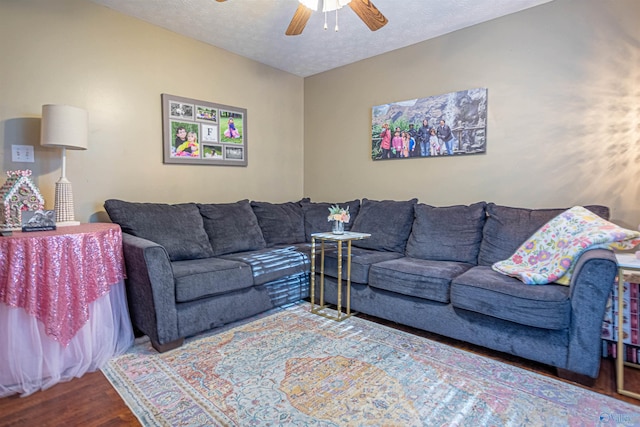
[336, 213]
[583, 241]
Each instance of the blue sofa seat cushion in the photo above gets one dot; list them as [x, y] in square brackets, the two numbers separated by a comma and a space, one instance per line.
[288, 289]
[452, 233]
[179, 228]
[417, 277]
[361, 261]
[281, 223]
[485, 291]
[315, 216]
[232, 227]
[201, 278]
[388, 221]
[506, 228]
[271, 264]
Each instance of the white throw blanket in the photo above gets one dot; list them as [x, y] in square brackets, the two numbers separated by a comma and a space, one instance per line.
[550, 254]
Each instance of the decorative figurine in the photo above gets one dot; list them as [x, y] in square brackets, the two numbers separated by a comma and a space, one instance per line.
[18, 194]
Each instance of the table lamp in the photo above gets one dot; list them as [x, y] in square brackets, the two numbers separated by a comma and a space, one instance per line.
[64, 126]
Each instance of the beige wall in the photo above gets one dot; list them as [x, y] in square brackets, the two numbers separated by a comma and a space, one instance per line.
[563, 84]
[78, 53]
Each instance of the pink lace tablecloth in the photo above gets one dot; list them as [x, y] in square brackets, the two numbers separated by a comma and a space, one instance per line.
[55, 275]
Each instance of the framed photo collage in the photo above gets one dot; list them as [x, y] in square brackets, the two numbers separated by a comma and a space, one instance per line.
[203, 133]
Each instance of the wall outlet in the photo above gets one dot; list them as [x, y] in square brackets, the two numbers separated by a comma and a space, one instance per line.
[22, 153]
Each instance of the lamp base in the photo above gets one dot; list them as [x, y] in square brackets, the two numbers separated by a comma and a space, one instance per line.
[64, 203]
[67, 223]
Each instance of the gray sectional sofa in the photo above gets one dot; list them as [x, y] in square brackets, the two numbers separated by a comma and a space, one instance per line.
[192, 267]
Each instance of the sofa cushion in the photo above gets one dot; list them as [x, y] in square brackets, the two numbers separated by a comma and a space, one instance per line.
[388, 221]
[451, 233]
[271, 264]
[179, 228]
[416, 277]
[201, 278]
[361, 261]
[485, 291]
[506, 228]
[232, 227]
[281, 223]
[287, 290]
[315, 216]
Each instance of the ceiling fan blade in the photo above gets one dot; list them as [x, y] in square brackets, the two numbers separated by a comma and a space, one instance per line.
[369, 14]
[299, 20]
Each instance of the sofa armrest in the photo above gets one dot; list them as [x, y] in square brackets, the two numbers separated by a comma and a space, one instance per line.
[591, 284]
[150, 289]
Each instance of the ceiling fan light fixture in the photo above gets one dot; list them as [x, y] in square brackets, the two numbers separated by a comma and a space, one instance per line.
[331, 5]
[327, 5]
[311, 4]
[366, 11]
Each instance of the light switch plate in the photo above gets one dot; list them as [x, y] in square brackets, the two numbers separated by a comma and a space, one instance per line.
[22, 153]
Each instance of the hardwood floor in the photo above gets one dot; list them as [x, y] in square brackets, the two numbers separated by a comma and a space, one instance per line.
[91, 401]
[86, 401]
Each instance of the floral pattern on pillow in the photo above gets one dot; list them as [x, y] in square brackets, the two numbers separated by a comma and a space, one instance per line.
[549, 255]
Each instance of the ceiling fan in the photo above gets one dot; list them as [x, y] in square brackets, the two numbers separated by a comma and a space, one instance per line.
[369, 14]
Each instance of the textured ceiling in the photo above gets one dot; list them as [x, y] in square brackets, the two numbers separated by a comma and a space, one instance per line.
[255, 28]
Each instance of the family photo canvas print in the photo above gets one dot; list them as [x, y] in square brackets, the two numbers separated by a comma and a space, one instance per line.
[203, 133]
[451, 124]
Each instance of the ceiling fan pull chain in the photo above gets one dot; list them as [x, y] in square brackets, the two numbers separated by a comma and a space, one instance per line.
[336, 20]
[325, 19]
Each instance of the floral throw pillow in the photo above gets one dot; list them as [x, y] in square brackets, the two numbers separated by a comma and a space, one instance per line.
[549, 255]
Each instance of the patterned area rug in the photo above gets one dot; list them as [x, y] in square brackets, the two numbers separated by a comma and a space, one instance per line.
[291, 367]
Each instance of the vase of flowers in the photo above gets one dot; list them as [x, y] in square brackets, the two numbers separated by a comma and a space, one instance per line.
[337, 227]
[339, 216]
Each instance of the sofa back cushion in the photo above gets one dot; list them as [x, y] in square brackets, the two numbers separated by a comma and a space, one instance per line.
[452, 233]
[315, 216]
[232, 227]
[281, 223]
[179, 228]
[388, 221]
[506, 228]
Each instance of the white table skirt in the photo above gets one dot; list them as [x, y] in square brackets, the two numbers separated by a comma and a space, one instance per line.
[30, 360]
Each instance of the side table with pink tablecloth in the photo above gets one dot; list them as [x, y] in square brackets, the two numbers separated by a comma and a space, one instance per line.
[63, 307]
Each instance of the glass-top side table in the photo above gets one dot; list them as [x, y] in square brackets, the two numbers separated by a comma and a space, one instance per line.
[347, 237]
[626, 262]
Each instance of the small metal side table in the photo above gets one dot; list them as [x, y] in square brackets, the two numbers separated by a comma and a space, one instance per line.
[339, 239]
[629, 262]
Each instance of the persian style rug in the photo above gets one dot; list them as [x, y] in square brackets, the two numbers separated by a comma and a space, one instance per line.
[291, 367]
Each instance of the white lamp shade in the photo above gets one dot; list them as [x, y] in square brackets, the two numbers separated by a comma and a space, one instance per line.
[64, 126]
